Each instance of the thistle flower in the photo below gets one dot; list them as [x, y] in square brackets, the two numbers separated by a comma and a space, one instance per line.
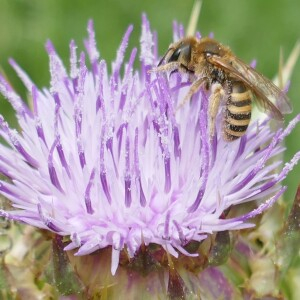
[105, 161]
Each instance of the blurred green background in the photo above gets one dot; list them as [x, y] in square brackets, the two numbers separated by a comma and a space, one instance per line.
[253, 29]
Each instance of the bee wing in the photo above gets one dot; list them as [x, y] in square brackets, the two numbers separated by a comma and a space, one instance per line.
[265, 86]
[262, 87]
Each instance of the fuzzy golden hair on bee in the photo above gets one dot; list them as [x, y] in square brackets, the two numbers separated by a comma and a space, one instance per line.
[231, 82]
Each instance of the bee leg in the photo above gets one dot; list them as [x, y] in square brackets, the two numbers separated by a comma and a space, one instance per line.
[193, 89]
[214, 102]
[165, 68]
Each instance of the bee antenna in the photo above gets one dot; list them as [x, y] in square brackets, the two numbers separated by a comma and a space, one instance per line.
[163, 58]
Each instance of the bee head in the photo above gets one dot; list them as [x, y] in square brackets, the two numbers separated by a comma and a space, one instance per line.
[178, 52]
[181, 53]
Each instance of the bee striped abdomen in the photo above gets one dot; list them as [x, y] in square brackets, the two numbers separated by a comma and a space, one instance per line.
[238, 112]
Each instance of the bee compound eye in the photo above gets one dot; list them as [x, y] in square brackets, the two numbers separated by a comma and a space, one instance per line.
[184, 51]
[175, 55]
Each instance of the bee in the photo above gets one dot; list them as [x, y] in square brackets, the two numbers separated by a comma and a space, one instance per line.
[233, 84]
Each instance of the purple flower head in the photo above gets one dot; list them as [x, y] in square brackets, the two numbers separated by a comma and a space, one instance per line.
[105, 159]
